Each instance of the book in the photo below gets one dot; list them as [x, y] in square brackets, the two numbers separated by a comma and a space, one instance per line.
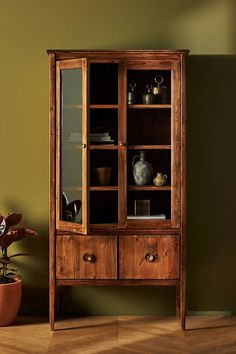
[147, 217]
[100, 138]
[99, 134]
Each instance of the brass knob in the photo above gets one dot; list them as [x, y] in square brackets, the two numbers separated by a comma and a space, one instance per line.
[83, 145]
[121, 144]
[150, 257]
[89, 258]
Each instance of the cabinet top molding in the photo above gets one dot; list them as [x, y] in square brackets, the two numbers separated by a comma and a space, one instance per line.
[118, 54]
[154, 51]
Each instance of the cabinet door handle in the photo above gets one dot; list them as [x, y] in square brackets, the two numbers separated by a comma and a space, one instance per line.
[83, 145]
[150, 257]
[89, 258]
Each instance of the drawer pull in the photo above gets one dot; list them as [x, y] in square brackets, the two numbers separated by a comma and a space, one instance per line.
[89, 258]
[150, 257]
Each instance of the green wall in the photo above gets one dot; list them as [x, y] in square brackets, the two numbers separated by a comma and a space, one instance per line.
[207, 28]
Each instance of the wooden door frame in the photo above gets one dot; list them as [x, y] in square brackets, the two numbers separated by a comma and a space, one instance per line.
[65, 225]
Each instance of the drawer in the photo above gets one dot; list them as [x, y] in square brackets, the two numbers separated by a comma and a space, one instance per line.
[149, 257]
[86, 257]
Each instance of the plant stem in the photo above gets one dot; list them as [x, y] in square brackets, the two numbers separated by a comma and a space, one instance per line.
[4, 253]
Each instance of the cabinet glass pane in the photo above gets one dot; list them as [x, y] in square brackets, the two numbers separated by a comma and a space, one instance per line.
[149, 144]
[71, 154]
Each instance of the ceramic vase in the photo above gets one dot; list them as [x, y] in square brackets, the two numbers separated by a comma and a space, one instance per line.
[142, 169]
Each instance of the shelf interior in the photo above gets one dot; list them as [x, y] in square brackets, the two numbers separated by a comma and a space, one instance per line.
[104, 87]
[103, 207]
[103, 126]
[103, 167]
[159, 159]
[149, 127]
[159, 201]
[144, 77]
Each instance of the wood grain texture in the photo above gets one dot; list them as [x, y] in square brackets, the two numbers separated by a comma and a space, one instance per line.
[176, 146]
[150, 65]
[52, 221]
[149, 106]
[183, 259]
[60, 224]
[85, 151]
[118, 282]
[132, 262]
[120, 335]
[71, 249]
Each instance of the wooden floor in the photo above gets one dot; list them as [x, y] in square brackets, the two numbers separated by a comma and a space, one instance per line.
[120, 334]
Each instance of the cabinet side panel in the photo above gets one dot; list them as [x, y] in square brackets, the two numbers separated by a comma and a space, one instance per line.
[52, 226]
[183, 196]
[176, 143]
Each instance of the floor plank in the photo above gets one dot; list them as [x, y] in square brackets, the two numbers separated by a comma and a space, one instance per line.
[120, 335]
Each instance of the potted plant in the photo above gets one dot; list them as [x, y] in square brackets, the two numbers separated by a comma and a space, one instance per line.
[10, 282]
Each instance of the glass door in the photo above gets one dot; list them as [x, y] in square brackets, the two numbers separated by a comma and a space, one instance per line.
[153, 145]
[72, 146]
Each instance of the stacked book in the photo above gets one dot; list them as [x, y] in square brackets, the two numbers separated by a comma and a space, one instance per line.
[101, 138]
[95, 138]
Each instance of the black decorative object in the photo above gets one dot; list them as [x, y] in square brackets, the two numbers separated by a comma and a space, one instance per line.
[70, 210]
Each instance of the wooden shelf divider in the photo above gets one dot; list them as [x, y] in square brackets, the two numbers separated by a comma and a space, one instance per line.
[103, 106]
[148, 188]
[149, 106]
[103, 147]
[103, 188]
[149, 147]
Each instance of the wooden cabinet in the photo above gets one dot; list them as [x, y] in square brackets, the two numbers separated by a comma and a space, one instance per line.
[117, 120]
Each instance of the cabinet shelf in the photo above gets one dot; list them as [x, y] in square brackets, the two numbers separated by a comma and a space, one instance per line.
[149, 147]
[103, 188]
[103, 106]
[149, 106]
[148, 188]
[91, 188]
[103, 147]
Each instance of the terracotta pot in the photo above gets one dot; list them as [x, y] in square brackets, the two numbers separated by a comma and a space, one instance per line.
[10, 298]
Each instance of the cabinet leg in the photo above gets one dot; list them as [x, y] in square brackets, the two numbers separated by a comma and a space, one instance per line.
[52, 303]
[183, 305]
[178, 301]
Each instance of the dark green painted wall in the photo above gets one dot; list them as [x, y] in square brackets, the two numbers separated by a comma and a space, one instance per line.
[207, 28]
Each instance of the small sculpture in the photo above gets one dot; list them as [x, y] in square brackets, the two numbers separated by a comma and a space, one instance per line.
[160, 179]
[131, 97]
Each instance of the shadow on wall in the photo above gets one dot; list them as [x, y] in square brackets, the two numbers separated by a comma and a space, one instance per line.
[211, 173]
[211, 151]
